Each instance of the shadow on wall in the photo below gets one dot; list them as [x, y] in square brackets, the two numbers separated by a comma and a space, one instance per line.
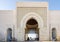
[2, 38]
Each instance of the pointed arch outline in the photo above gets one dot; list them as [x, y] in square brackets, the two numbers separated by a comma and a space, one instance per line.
[29, 15]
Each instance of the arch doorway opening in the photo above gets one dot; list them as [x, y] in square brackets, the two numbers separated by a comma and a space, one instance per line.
[32, 30]
[54, 34]
[9, 34]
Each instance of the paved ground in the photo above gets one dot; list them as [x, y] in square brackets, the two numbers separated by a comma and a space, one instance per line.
[30, 41]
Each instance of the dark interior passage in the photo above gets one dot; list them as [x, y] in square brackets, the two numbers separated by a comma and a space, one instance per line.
[32, 31]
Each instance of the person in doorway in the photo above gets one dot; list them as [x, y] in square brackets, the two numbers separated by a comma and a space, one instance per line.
[28, 39]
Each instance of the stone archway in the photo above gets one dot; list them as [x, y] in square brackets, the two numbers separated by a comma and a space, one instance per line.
[9, 34]
[32, 30]
[31, 15]
[54, 34]
[28, 16]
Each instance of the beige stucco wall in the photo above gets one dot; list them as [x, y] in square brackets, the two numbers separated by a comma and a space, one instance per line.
[21, 12]
[7, 20]
[41, 11]
[12, 19]
[55, 22]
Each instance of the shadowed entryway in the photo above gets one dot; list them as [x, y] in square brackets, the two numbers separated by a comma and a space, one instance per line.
[54, 34]
[9, 34]
[32, 30]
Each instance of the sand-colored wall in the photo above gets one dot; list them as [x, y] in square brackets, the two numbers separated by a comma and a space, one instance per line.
[12, 19]
[41, 8]
[55, 22]
[7, 19]
[21, 12]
